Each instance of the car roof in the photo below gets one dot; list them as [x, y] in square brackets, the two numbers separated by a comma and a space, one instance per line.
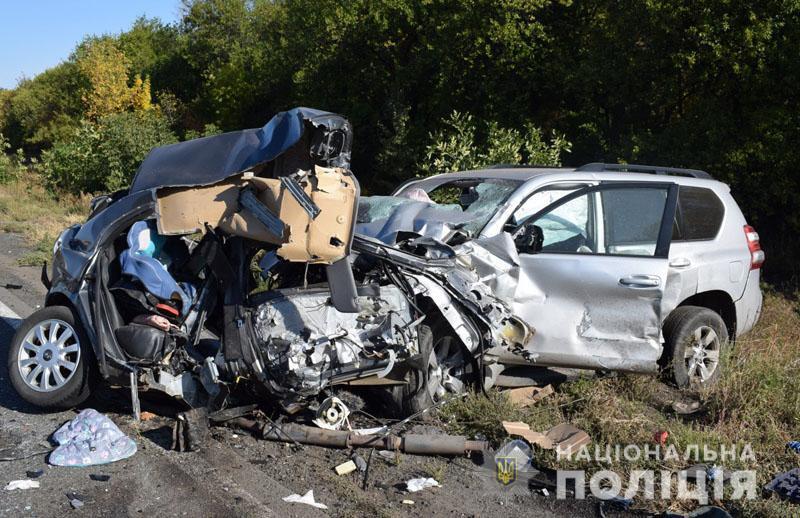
[522, 174]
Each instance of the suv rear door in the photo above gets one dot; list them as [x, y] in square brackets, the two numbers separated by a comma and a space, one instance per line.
[593, 291]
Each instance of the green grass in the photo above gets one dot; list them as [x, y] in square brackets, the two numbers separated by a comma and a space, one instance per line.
[757, 401]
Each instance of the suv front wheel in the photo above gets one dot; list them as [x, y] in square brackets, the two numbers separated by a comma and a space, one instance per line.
[694, 340]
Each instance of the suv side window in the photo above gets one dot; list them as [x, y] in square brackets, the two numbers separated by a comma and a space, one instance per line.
[632, 220]
[699, 214]
[612, 221]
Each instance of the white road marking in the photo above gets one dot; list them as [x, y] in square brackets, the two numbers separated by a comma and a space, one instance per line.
[9, 317]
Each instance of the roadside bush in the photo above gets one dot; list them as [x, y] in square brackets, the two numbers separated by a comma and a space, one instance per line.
[6, 162]
[104, 156]
[468, 143]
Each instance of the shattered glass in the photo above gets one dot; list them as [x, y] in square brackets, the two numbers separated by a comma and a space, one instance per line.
[382, 217]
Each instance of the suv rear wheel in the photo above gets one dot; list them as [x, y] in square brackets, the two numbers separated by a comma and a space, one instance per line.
[50, 359]
[694, 340]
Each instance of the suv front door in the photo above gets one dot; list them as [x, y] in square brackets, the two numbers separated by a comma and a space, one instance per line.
[593, 284]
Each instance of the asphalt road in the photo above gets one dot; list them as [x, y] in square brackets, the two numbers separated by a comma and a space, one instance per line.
[233, 475]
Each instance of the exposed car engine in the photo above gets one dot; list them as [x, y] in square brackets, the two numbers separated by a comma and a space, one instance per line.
[306, 341]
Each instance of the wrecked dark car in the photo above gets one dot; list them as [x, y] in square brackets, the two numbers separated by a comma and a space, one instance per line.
[231, 266]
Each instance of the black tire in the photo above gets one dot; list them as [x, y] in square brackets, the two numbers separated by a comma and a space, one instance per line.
[77, 383]
[695, 338]
[417, 393]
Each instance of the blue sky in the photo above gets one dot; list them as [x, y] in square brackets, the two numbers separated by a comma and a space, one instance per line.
[38, 34]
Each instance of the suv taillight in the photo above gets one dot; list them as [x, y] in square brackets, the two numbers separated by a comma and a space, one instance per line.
[756, 254]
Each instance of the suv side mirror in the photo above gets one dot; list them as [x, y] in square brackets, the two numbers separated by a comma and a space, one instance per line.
[529, 239]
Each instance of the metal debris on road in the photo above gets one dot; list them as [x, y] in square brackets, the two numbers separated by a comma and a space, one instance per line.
[332, 414]
[786, 485]
[35, 473]
[686, 408]
[361, 464]
[75, 502]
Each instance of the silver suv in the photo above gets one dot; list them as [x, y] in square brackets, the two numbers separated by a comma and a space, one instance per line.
[622, 267]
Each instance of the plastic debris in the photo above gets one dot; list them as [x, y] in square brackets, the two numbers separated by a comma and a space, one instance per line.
[697, 472]
[684, 408]
[715, 472]
[361, 464]
[100, 478]
[22, 484]
[660, 437]
[345, 468]
[526, 396]
[90, 439]
[332, 414]
[36, 473]
[786, 485]
[307, 499]
[613, 504]
[418, 484]
[794, 445]
[408, 502]
[387, 455]
[75, 500]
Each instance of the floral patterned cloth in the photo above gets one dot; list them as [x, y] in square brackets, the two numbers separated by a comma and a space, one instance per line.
[90, 439]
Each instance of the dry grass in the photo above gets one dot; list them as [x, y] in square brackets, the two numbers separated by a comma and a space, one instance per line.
[40, 216]
[756, 402]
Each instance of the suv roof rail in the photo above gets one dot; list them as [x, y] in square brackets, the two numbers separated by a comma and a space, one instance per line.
[650, 169]
[520, 166]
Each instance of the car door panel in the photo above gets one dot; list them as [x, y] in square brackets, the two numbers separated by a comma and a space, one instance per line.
[597, 306]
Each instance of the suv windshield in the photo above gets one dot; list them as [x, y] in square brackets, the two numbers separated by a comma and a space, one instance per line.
[463, 204]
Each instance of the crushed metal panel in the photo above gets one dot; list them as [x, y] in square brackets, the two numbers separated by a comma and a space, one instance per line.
[584, 317]
[324, 239]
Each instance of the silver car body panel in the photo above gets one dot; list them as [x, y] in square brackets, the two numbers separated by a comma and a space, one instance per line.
[582, 314]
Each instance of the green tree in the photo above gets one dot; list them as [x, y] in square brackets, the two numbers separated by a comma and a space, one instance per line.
[465, 143]
[104, 156]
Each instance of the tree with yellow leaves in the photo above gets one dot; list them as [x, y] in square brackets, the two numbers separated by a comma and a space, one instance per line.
[106, 69]
[140, 94]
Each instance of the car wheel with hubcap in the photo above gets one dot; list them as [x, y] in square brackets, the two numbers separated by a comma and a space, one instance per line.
[49, 360]
[695, 338]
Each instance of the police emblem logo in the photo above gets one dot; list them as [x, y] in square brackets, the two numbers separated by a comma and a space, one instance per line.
[506, 470]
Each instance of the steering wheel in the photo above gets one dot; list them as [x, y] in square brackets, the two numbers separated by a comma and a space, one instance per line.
[566, 223]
